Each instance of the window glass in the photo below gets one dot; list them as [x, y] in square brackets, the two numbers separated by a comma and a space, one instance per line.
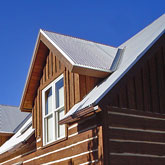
[49, 128]
[59, 93]
[48, 101]
[61, 128]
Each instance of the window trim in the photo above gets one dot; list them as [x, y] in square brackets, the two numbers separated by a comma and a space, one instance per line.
[54, 110]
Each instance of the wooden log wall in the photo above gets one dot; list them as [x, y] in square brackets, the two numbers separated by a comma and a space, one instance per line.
[23, 150]
[83, 146]
[75, 88]
[143, 87]
[134, 137]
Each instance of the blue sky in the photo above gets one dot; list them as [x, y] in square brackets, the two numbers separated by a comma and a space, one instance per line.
[109, 22]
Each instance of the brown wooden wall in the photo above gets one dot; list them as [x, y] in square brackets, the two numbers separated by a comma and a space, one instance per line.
[134, 137]
[75, 88]
[134, 131]
[143, 87]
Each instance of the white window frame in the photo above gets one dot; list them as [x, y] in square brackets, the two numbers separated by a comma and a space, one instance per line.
[53, 112]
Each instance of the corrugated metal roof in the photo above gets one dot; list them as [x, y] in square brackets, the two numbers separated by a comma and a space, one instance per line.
[82, 52]
[23, 134]
[11, 118]
[135, 48]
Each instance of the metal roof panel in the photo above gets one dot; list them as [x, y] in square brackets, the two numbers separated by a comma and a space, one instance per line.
[83, 52]
[10, 118]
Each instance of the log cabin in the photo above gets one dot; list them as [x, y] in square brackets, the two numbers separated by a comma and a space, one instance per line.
[91, 103]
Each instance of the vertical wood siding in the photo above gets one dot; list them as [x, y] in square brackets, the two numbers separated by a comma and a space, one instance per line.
[144, 88]
[76, 87]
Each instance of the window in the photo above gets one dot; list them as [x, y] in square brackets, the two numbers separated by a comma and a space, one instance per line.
[53, 110]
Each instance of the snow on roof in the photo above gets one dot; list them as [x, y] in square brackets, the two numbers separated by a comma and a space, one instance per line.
[134, 49]
[10, 118]
[23, 134]
[82, 52]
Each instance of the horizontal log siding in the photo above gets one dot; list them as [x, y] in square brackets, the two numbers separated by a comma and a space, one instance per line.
[135, 137]
[84, 125]
[15, 155]
[82, 148]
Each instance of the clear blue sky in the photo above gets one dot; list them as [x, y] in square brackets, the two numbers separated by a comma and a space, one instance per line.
[111, 22]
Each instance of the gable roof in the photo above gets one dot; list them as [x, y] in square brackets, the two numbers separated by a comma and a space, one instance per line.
[78, 55]
[21, 136]
[11, 119]
[134, 49]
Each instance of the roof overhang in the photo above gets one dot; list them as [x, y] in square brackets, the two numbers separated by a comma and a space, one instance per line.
[34, 75]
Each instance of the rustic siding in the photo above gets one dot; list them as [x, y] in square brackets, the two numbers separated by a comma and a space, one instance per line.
[16, 155]
[83, 145]
[134, 137]
[143, 87]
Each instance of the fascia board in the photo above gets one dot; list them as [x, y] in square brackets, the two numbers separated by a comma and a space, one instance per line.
[29, 71]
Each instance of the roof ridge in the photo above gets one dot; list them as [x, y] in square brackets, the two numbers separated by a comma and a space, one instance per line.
[79, 38]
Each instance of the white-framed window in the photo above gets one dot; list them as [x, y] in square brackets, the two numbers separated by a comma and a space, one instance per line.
[53, 110]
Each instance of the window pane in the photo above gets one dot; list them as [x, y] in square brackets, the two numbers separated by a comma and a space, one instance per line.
[59, 93]
[61, 128]
[48, 101]
[49, 128]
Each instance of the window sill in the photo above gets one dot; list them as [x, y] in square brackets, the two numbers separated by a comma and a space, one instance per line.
[54, 142]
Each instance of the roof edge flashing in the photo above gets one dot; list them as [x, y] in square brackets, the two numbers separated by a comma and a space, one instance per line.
[93, 68]
[58, 48]
[117, 59]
